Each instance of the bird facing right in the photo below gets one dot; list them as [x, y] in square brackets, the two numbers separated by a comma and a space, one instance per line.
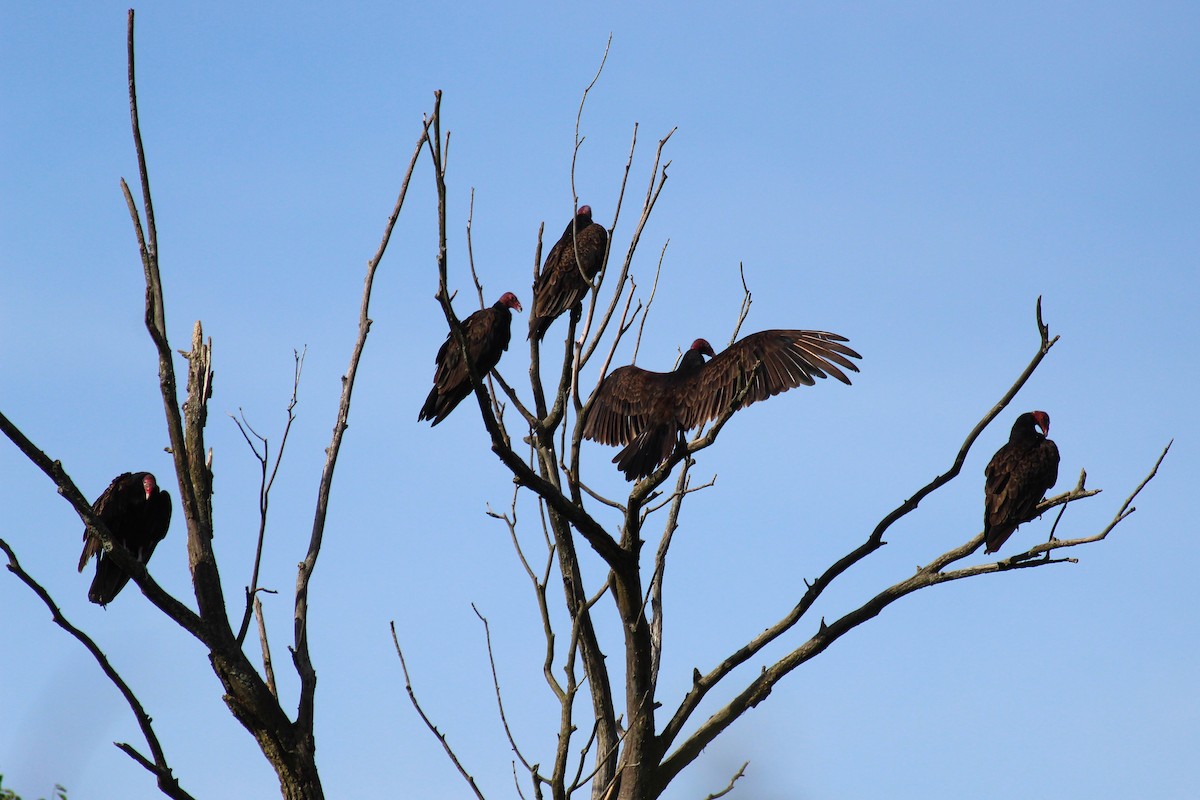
[648, 412]
[487, 333]
[567, 273]
[137, 514]
[1018, 477]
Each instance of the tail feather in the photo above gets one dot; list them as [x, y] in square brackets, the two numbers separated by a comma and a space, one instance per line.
[996, 535]
[648, 449]
[538, 327]
[109, 581]
[438, 406]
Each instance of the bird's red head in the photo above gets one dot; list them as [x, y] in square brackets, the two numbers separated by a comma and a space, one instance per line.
[704, 347]
[1043, 421]
[149, 485]
[584, 211]
[509, 299]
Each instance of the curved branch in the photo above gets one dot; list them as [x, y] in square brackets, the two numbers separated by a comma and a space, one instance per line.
[930, 575]
[169, 605]
[703, 684]
[186, 435]
[161, 770]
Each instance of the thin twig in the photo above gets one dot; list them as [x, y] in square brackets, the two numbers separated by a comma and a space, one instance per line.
[441, 737]
[652, 193]
[487, 632]
[743, 312]
[265, 484]
[300, 652]
[729, 788]
[637, 344]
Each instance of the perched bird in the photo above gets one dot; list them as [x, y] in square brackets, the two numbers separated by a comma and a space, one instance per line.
[564, 281]
[1018, 476]
[648, 412]
[487, 332]
[137, 514]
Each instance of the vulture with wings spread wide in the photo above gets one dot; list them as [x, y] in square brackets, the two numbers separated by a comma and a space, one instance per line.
[1018, 477]
[137, 514]
[567, 271]
[487, 332]
[649, 412]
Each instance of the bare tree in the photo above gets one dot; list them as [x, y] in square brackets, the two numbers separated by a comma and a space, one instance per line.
[286, 739]
[626, 741]
[630, 750]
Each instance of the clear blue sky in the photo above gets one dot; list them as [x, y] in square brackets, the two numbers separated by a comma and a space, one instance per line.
[912, 176]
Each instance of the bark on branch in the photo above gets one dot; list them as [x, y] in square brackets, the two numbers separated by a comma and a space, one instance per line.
[167, 783]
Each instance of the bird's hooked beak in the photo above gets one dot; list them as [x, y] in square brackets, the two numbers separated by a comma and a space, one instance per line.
[509, 299]
[1042, 420]
[148, 485]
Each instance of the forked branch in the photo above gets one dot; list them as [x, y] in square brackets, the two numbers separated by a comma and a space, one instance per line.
[930, 575]
[873, 542]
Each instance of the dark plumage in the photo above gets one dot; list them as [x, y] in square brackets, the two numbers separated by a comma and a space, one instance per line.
[1018, 477]
[137, 514]
[560, 285]
[487, 332]
[649, 412]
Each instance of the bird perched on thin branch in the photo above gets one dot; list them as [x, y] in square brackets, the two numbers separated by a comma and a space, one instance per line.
[1018, 477]
[567, 272]
[649, 412]
[487, 333]
[137, 514]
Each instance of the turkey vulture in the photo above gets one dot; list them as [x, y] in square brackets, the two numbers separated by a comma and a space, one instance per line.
[649, 412]
[487, 332]
[1018, 476]
[137, 514]
[560, 285]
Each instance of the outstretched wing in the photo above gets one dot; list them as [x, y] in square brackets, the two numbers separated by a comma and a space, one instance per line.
[628, 400]
[763, 364]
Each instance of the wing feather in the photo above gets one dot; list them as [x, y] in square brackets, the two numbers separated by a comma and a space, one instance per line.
[625, 404]
[487, 337]
[110, 507]
[1016, 480]
[560, 285]
[769, 362]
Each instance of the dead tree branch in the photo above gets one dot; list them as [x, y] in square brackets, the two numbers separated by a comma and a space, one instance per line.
[167, 783]
[441, 737]
[300, 652]
[264, 488]
[930, 575]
